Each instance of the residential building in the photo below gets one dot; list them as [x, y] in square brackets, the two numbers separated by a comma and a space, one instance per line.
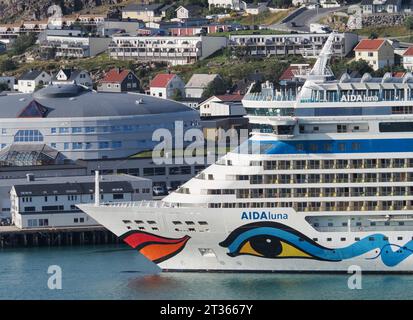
[307, 45]
[51, 202]
[68, 46]
[117, 80]
[70, 76]
[144, 12]
[168, 49]
[198, 83]
[255, 9]
[377, 52]
[165, 85]
[203, 29]
[227, 4]
[9, 82]
[32, 79]
[408, 59]
[189, 11]
[228, 105]
[381, 6]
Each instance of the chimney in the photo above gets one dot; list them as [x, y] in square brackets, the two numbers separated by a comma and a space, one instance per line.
[30, 177]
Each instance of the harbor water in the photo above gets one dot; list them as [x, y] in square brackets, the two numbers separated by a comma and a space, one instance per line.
[117, 272]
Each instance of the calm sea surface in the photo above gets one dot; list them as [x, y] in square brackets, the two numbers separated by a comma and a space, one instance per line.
[116, 272]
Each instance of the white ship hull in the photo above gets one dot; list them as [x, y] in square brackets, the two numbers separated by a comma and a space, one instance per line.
[225, 243]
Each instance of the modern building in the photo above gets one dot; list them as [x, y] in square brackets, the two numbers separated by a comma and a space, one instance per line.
[79, 46]
[70, 76]
[32, 79]
[377, 52]
[381, 6]
[166, 85]
[307, 45]
[51, 202]
[144, 12]
[198, 83]
[9, 82]
[168, 49]
[84, 124]
[408, 59]
[117, 80]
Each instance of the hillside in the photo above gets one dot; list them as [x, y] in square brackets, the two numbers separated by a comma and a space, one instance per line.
[17, 10]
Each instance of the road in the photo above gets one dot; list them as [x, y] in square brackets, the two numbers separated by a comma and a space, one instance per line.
[304, 19]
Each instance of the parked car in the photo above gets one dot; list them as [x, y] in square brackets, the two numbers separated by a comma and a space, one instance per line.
[159, 191]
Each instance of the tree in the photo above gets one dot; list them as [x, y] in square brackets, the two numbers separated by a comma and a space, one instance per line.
[373, 35]
[408, 23]
[177, 95]
[215, 87]
[4, 86]
[22, 43]
[7, 65]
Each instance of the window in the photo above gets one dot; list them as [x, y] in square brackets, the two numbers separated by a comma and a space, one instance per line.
[66, 145]
[118, 196]
[28, 136]
[43, 222]
[90, 129]
[53, 130]
[117, 144]
[103, 145]
[76, 130]
[77, 145]
[63, 130]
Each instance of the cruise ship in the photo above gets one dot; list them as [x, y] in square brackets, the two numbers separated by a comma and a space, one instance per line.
[325, 182]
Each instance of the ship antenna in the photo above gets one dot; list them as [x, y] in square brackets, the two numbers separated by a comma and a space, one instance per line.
[321, 68]
[97, 189]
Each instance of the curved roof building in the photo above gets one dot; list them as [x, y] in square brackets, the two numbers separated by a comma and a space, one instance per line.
[84, 124]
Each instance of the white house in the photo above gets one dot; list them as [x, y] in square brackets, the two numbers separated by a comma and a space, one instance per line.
[254, 9]
[227, 4]
[28, 82]
[198, 83]
[164, 85]
[408, 59]
[189, 11]
[228, 105]
[67, 76]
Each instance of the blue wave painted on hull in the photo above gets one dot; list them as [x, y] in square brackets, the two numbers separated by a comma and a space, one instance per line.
[389, 257]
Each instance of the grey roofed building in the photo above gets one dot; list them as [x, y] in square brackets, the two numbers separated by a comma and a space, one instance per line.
[30, 75]
[75, 101]
[200, 80]
[85, 124]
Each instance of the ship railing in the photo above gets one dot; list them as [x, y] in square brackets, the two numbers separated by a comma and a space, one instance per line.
[268, 97]
[140, 204]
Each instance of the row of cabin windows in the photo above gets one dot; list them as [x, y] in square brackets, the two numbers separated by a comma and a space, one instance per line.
[318, 192]
[327, 178]
[358, 239]
[335, 164]
[359, 224]
[151, 222]
[322, 206]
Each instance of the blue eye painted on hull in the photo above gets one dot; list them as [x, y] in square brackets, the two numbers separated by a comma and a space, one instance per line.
[273, 240]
